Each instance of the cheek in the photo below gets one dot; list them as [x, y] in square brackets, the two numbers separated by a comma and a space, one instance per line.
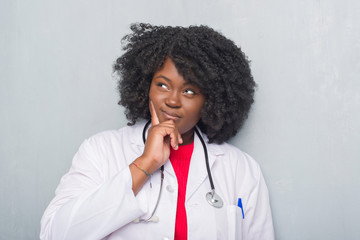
[196, 111]
[200, 106]
[151, 91]
[153, 97]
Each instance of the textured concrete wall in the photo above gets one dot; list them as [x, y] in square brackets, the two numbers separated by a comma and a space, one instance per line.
[57, 89]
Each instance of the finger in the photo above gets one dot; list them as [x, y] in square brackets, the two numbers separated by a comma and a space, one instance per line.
[168, 123]
[174, 139]
[180, 140]
[154, 117]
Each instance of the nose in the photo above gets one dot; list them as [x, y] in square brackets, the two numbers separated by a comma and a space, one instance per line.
[173, 100]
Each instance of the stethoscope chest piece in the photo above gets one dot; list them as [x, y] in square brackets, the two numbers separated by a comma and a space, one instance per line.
[214, 199]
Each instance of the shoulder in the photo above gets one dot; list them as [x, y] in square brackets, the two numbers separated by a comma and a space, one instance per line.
[107, 147]
[109, 139]
[129, 133]
[229, 156]
[232, 153]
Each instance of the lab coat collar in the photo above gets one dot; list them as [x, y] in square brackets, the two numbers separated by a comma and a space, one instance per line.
[136, 137]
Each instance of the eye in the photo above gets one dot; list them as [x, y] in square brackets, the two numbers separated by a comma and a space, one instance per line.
[189, 92]
[162, 86]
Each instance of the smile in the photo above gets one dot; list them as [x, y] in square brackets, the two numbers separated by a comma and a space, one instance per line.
[170, 115]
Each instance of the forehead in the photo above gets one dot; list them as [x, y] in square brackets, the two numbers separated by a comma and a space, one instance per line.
[169, 70]
[168, 67]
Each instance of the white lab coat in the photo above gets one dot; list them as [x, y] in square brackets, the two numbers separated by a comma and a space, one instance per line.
[94, 200]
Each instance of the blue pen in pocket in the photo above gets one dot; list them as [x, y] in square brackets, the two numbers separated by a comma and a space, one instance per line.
[241, 206]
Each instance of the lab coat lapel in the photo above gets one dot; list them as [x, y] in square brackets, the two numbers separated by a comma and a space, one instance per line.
[136, 138]
[197, 170]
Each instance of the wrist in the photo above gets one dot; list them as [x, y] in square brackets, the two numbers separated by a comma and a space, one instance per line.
[147, 164]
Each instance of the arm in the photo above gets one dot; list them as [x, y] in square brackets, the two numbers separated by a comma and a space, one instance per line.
[258, 222]
[88, 206]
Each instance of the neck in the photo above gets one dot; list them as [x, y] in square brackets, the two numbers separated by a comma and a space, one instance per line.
[188, 137]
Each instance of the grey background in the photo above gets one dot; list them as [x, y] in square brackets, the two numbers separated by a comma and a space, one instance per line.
[57, 89]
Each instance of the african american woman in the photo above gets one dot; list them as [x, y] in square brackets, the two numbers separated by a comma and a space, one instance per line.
[169, 174]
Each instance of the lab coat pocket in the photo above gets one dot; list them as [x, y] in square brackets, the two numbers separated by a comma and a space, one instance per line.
[235, 221]
[229, 222]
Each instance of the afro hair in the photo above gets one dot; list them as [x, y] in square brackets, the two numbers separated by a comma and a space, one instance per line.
[203, 57]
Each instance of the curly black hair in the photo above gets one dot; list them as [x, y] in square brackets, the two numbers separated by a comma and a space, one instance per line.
[202, 56]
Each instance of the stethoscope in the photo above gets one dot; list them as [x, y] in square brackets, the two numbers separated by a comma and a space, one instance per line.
[212, 198]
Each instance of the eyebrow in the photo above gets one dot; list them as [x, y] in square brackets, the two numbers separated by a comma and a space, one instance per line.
[169, 80]
[165, 78]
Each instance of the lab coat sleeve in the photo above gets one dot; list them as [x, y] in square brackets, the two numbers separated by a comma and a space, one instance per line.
[258, 222]
[87, 205]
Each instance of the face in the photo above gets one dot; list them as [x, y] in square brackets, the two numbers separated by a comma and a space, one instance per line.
[176, 99]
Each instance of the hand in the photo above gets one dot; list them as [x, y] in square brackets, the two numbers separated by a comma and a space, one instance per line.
[160, 137]
[157, 149]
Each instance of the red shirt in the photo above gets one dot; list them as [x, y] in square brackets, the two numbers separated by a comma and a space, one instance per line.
[180, 160]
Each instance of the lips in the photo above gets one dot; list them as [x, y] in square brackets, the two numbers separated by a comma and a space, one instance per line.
[170, 115]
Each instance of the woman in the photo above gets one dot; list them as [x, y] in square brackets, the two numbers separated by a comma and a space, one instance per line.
[196, 88]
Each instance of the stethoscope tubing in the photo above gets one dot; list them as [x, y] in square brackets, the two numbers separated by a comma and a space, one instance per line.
[206, 159]
[212, 197]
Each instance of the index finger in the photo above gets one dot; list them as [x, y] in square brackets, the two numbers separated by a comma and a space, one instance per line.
[154, 117]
